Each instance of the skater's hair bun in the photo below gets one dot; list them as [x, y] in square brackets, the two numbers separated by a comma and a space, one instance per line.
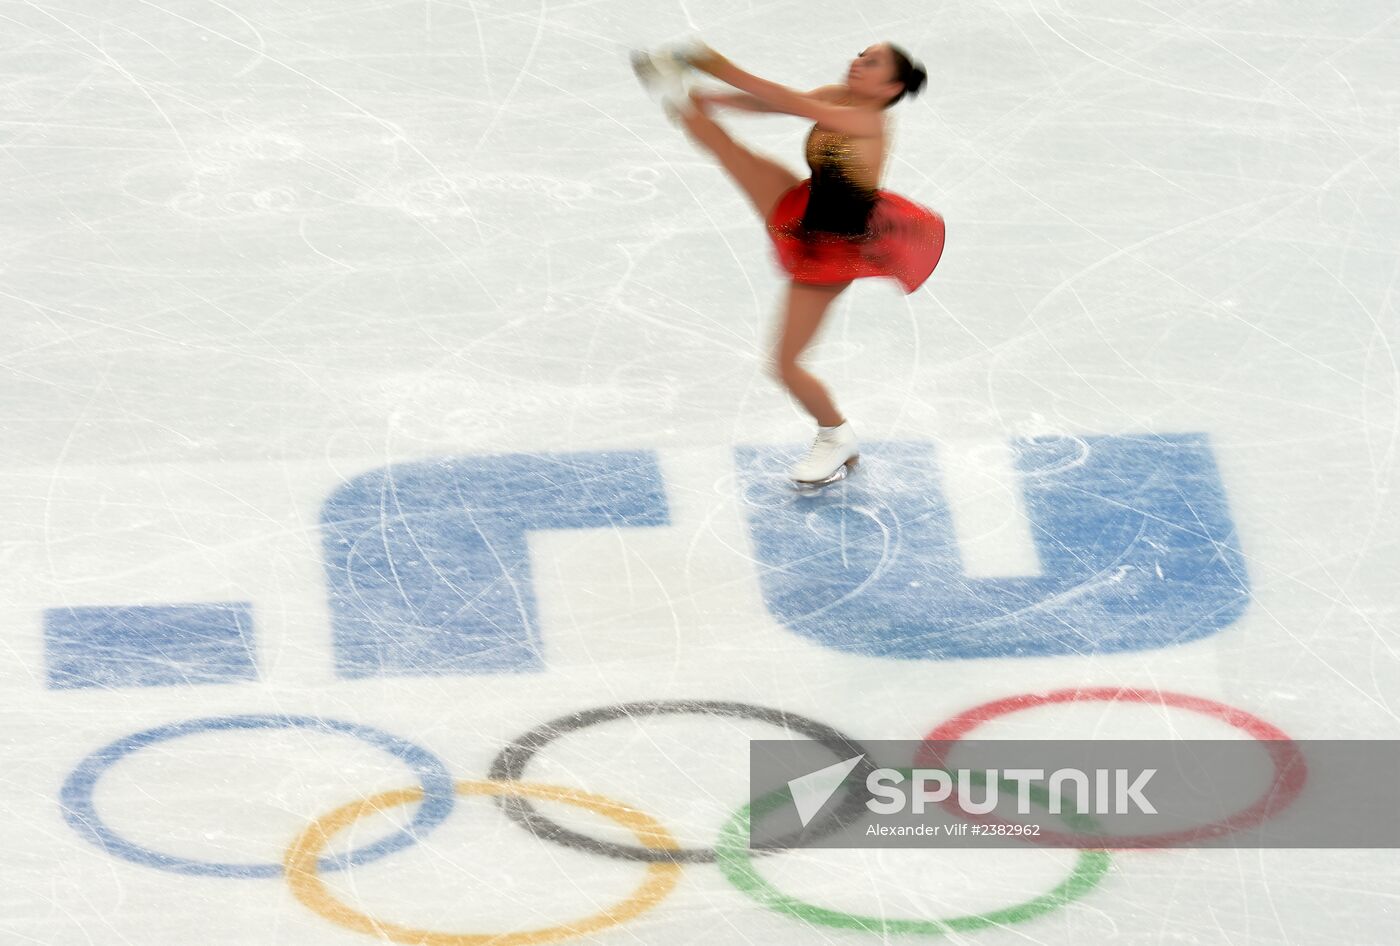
[908, 73]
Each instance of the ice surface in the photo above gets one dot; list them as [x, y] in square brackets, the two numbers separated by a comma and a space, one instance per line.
[398, 365]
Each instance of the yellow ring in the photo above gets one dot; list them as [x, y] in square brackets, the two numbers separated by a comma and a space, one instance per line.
[301, 867]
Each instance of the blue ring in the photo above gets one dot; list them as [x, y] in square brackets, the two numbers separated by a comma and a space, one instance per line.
[81, 814]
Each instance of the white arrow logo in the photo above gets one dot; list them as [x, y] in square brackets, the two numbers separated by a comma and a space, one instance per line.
[810, 792]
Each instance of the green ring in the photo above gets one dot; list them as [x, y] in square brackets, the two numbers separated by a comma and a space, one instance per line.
[736, 863]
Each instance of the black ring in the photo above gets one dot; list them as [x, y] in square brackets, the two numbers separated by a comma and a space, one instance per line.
[509, 766]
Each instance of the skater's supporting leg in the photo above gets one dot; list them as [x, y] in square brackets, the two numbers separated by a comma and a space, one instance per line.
[806, 307]
[762, 180]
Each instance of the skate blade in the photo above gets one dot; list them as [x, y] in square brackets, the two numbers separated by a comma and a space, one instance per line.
[644, 68]
[842, 471]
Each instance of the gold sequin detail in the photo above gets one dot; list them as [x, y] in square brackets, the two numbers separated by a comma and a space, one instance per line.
[832, 153]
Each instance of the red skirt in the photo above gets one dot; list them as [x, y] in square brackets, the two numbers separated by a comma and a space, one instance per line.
[904, 242]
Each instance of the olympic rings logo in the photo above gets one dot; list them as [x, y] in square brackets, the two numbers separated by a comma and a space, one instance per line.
[304, 863]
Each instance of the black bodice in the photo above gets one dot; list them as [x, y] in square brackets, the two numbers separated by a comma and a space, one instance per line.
[840, 201]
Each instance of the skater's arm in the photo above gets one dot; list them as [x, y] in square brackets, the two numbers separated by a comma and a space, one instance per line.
[752, 103]
[740, 100]
[780, 98]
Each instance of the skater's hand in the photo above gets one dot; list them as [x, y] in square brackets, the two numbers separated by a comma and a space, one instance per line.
[702, 101]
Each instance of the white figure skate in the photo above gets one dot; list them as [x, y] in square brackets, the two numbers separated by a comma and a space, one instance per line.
[833, 455]
[664, 74]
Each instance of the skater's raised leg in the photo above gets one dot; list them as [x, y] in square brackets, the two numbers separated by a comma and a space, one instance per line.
[762, 180]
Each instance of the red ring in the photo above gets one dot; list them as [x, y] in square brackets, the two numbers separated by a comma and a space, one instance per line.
[1290, 769]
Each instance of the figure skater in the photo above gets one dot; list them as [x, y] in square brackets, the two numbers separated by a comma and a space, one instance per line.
[828, 230]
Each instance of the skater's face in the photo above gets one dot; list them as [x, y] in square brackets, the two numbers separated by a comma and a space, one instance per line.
[872, 73]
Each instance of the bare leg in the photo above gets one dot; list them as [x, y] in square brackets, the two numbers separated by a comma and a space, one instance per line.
[762, 180]
[806, 307]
